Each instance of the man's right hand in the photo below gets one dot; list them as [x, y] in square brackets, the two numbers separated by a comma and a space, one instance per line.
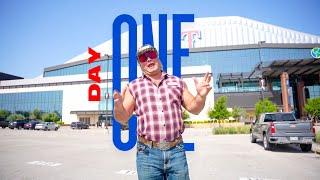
[123, 105]
[118, 98]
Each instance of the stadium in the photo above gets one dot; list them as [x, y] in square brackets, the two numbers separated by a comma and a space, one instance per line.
[249, 61]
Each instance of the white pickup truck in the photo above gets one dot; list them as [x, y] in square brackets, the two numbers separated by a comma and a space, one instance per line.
[282, 128]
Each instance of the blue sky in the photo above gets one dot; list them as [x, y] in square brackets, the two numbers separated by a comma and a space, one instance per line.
[36, 34]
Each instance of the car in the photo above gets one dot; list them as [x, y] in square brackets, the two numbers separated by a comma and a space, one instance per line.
[4, 123]
[17, 124]
[79, 125]
[31, 124]
[282, 128]
[46, 126]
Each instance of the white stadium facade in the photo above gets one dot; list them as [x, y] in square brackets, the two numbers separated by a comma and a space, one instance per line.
[240, 53]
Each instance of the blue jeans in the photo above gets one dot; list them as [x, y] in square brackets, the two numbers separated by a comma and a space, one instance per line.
[155, 164]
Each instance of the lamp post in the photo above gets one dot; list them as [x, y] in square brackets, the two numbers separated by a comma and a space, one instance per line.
[261, 80]
[262, 87]
[107, 95]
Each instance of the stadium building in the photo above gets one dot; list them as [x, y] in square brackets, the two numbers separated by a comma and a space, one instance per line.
[249, 60]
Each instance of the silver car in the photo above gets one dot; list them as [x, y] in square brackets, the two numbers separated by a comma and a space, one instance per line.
[47, 126]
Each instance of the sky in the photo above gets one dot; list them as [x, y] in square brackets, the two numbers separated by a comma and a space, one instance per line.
[35, 34]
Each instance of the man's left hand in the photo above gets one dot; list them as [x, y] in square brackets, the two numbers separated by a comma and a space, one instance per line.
[203, 87]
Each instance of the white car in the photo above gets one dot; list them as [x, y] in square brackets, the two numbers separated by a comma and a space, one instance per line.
[47, 126]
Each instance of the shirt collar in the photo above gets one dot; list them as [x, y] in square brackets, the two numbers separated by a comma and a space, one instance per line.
[164, 75]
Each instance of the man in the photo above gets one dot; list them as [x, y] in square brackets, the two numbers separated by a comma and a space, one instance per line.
[156, 98]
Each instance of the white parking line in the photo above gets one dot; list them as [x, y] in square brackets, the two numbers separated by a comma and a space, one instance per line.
[43, 163]
[254, 178]
[127, 172]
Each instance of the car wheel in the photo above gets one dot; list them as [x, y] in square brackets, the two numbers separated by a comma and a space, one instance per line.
[266, 144]
[305, 147]
[56, 129]
[252, 138]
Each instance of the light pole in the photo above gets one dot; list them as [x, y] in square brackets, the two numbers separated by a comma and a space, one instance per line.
[261, 80]
[260, 44]
[262, 87]
[107, 95]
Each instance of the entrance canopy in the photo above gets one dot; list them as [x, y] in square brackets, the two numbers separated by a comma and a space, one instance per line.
[301, 67]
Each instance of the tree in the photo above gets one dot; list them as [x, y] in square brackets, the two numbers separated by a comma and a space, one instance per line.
[50, 117]
[219, 111]
[238, 112]
[25, 114]
[265, 105]
[313, 108]
[185, 115]
[14, 117]
[36, 114]
[4, 113]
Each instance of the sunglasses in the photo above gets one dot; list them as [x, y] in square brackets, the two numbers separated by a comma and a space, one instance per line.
[152, 54]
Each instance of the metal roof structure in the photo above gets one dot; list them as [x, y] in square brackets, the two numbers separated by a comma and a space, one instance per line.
[214, 32]
[301, 67]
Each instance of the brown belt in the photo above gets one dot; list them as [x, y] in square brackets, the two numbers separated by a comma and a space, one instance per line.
[160, 145]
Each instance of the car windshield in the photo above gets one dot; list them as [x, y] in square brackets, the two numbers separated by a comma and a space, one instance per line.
[279, 117]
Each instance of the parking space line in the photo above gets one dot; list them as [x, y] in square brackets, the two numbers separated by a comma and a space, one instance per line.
[126, 172]
[255, 178]
[43, 163]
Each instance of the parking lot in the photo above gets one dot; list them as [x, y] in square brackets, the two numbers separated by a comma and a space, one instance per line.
[90, 154]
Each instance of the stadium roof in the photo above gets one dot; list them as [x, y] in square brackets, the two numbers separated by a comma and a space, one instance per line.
[215, 32]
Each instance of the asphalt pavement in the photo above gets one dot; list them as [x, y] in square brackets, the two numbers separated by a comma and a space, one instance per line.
[90, 154]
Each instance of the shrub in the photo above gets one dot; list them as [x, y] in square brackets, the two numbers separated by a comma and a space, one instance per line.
[4, 113]
[60, 123]
[14, 117]
[265, 106]
[50, 117]
[232, 130]
[318, 137]
[219, 111]
[313, 108]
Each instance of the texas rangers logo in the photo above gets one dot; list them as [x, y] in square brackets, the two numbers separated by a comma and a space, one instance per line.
[191, 37]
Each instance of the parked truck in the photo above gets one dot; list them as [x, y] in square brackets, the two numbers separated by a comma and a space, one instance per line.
[282, 128]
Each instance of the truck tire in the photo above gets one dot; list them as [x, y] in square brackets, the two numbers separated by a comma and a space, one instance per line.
[305, 147]
[266, 144]
[252, 138]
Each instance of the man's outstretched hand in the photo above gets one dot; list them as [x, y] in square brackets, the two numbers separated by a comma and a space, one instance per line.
[118, 98]
[203, 86]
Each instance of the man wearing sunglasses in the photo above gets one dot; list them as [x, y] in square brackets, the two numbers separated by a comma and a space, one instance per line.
[156, 98]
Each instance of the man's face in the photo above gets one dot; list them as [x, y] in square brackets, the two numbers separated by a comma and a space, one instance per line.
[149, 62]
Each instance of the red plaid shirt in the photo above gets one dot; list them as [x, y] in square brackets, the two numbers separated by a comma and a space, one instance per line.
[158, 108]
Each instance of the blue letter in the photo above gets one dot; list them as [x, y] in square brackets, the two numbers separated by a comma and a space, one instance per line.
[177, 52]
[147, 34]
[163, 40]
[116, 56]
